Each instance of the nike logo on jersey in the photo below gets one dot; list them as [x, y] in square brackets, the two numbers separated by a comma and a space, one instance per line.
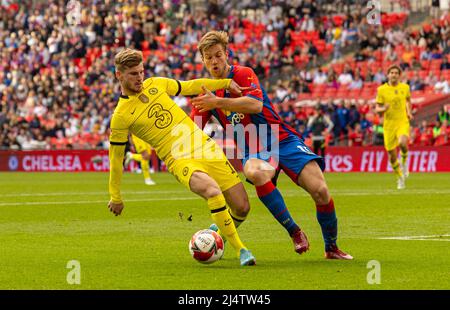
[133, 111]
[228, 222]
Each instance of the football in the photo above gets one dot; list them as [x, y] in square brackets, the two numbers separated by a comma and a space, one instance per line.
[206, 246]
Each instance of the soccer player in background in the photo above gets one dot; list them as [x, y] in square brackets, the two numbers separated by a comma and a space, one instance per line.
[142, 155]
[394, 103]
[146, 110]
[295, 158]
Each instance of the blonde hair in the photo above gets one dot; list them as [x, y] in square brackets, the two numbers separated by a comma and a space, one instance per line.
[212, 38]
[127, 58]
[391, 67]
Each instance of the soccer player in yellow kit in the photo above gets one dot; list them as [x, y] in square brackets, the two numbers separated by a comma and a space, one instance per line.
[142, 155]
[394, 102]
[146, 110]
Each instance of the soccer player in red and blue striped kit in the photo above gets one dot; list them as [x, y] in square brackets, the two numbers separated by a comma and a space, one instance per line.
[279, 146]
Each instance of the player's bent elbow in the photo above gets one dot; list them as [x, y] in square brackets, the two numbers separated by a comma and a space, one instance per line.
[257, 108]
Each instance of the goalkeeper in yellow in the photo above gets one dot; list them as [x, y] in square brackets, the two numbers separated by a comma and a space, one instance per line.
[146, 110]
[143, 156]
[394, 102]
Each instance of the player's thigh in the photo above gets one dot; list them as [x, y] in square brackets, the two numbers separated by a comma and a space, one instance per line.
[203, 185]
[183, 170]
[237, 199]
[313, 181]
[403, 134]
[390, 139]
[222, 172]
[295, 156]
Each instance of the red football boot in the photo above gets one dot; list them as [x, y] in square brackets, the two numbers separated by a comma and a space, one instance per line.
[301, 243]
[335, 253]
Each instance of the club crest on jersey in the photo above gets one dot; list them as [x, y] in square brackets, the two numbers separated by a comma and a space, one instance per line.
[185, 171]
[144, 98]
[153, 91]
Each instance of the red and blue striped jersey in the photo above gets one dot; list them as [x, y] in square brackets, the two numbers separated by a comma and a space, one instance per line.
[246, 77]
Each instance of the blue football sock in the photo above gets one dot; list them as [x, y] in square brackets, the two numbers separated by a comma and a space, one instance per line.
[272, 199]
[326, 216]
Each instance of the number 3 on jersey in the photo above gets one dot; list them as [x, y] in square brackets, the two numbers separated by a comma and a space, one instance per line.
[163, 117]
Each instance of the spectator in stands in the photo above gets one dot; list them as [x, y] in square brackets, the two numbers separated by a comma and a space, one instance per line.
[431, 79]
[332, 79]
[365, 123]
[437, 129]
[319, 77]
[307, 23]
[357, 83]
[435, 8]
[320, 125]
[378, 136]
[445, 65]
[346, 76]
[343, 116]
[356, 136]
[446, 47]
[407, 57]
[442, 86]
[443, 115]
[354, 116]
[379, 77]
[426, 54]
[351, 34]
[416, 82]
[391, 55]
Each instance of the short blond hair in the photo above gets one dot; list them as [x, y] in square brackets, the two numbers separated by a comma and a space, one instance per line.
[212, 38]
[127, 58]
[392, 67]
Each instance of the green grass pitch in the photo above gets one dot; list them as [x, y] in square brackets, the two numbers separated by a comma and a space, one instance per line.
[49, 219]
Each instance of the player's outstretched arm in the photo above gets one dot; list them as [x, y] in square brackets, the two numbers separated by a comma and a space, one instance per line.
[116, 154]
[118, 140]
[195, 87]
[244, 104]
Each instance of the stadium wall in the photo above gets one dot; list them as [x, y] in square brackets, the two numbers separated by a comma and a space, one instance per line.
[338, 159]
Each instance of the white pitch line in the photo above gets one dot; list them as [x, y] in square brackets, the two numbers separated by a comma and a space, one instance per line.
[288, 193]
[34, 203]
[87, 193]
[419, 238]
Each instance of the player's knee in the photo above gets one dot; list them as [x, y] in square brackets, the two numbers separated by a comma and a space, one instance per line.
[145, 156]
[257, 176]
[243, 208]
[320, 194]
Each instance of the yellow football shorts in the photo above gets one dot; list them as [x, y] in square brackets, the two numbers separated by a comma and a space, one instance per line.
[393, 134]
[220, 170]
[141, 145]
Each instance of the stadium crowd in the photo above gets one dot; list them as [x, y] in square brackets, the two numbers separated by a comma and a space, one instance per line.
[57, 84]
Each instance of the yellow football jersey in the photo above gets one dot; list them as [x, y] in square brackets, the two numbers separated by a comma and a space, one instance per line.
[396, 97]
[155, 118]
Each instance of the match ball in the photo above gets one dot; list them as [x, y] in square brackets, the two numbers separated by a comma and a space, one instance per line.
[206, 246]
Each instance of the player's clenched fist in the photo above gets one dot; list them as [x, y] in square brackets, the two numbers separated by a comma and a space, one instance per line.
[115, 208]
